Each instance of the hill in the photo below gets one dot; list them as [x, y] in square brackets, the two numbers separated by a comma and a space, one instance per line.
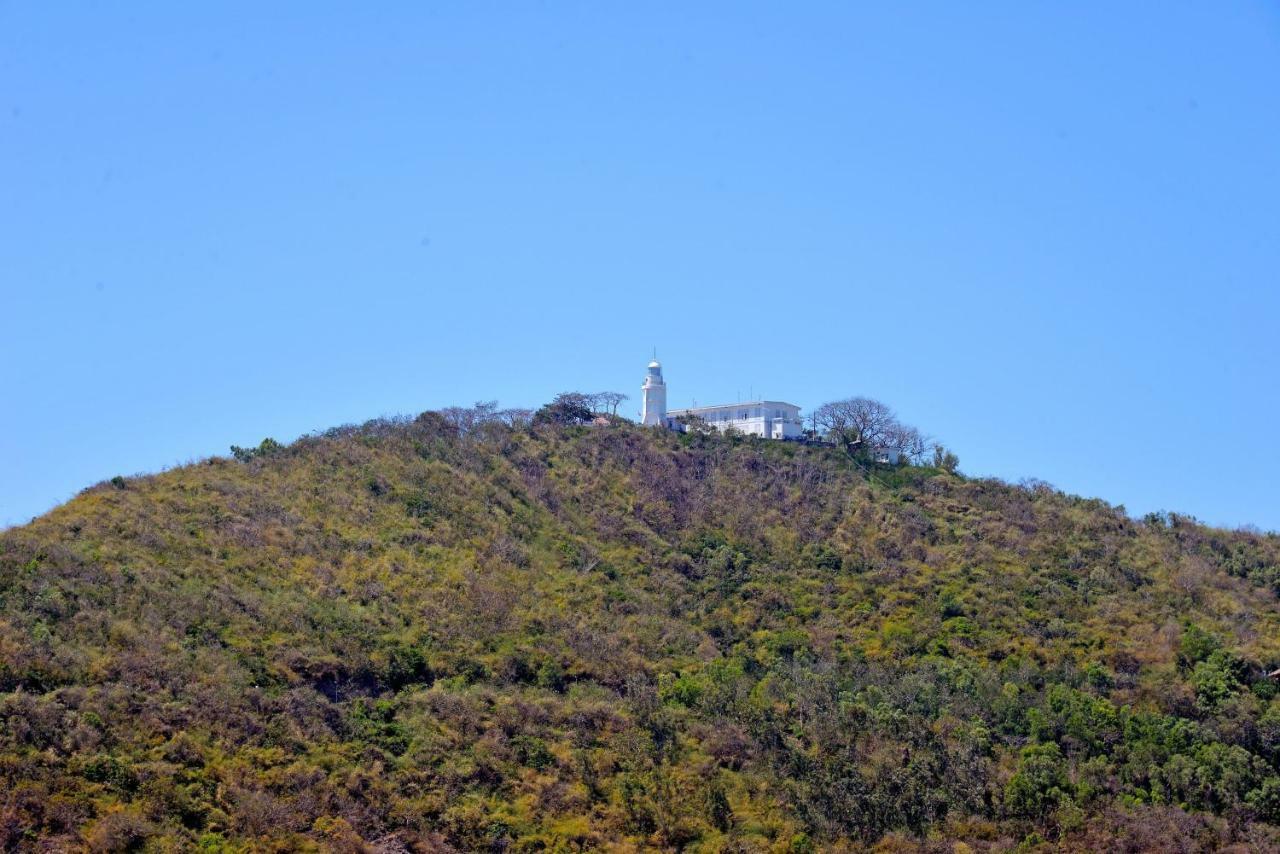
[436, 634]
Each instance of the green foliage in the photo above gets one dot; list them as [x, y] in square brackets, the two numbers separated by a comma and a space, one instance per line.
[267, 448]
[110, 771]
[825, 558]
[406, 665]
[568, 408]
[945, 459]
[686, 689]
[468, 631]
[1265, 800]
[1217, 678]
[1196, 645]
[375, 724]
[1040, 785]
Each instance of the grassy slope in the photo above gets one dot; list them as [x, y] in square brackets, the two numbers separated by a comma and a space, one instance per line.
[584, 638]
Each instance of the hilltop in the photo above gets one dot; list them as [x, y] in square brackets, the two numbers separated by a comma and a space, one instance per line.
[440, 634]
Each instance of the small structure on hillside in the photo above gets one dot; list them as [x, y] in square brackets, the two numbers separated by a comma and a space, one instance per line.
[770, 419]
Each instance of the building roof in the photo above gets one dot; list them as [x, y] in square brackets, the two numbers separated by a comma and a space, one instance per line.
[695, 409]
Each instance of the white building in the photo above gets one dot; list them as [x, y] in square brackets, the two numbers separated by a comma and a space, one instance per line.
[654, 397]
[771, 419]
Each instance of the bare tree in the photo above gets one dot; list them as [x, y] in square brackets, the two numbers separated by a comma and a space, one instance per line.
[867, 428]
[466, 420]
[608, 401]
[860, 424]
[516, 417]
[909, 442]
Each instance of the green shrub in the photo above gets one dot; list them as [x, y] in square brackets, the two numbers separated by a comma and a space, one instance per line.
[1040, 785]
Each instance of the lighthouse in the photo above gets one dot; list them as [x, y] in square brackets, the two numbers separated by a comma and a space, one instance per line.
[654, 392]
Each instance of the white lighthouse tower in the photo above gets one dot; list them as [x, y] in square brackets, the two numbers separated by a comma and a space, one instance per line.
[654, 411]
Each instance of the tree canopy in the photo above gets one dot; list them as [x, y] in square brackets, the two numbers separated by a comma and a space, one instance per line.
[867, 428]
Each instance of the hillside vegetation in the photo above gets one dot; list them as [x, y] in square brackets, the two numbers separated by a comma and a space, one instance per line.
[435, 635]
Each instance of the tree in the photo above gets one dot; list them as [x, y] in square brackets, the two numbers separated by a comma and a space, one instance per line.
[696, 424]
[516, 417]
[608, 401]
[945, 460]
[268, 447]
[1040, 783]
[867, 428]
[569, 407]
[466, 420]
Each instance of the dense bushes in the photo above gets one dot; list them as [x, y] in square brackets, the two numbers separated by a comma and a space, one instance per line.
[474, 631]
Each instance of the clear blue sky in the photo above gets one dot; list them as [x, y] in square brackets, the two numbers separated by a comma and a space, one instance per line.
[1046, 233]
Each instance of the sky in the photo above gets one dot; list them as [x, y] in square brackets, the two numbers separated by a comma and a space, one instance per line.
[1047, 234]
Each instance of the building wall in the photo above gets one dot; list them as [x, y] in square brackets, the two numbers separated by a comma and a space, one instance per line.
[655, 404]
[769, 418]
